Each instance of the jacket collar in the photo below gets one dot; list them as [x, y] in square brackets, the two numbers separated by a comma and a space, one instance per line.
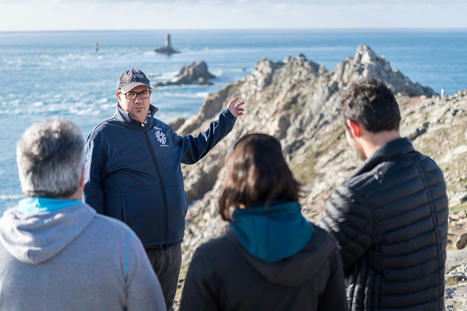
[393, 148]
[123, 116]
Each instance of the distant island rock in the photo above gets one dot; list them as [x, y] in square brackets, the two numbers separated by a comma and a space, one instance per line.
[196, 73]
[167, 49]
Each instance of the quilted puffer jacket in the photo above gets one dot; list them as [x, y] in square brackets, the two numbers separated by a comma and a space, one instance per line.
[390, 222]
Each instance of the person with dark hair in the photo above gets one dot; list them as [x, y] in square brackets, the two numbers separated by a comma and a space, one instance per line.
[270, 258]
[390, 216]
[56, 252]
[133, 172]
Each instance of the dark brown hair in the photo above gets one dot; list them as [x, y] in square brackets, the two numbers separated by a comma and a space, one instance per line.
[371, 104]
[256, 173]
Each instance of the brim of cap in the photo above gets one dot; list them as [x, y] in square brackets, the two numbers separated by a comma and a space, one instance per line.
[132, 85]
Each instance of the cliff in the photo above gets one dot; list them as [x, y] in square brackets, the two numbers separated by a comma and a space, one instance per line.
[296, 101]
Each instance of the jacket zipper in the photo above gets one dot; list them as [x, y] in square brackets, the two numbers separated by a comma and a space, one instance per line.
[156, 164]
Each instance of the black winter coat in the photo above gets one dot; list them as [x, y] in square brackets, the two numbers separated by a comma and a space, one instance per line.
[223, 276]
[390, 222]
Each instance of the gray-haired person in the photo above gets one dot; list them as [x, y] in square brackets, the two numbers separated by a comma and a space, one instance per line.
[56, 253]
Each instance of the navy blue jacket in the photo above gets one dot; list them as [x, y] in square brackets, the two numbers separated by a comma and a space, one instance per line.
[133, 173]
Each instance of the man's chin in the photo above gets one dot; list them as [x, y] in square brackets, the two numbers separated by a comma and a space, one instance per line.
[138, 117]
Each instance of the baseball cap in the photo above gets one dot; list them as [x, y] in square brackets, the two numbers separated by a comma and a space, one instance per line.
[132, 78]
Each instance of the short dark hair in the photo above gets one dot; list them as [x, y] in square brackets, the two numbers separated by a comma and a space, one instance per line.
[257, 173]
[371, 104]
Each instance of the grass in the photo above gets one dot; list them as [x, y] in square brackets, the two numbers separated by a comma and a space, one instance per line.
[458, 208]
[181, 281]
[305, 170]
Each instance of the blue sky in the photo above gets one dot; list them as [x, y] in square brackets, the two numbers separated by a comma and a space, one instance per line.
[234, 14]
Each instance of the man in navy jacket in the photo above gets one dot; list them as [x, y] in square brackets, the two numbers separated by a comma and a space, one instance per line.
[133, 172]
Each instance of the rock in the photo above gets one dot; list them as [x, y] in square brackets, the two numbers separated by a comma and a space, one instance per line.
[456, 297]
[167, 49]
[459, 274]
[196, 73]
[367, 64]
[462, 241]
[455, 259]
[177, 123]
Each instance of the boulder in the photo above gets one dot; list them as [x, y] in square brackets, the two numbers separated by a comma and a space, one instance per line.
[196, 73]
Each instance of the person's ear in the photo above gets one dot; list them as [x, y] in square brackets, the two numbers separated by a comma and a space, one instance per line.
[355, 129]
[81, 180]
[118, 94]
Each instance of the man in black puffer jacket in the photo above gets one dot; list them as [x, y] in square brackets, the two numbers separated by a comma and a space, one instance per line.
[390, 216]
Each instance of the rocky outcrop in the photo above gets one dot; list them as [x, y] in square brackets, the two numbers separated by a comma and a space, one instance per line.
[296, 101]
[456, 280]
[196, 73]
[367, 64]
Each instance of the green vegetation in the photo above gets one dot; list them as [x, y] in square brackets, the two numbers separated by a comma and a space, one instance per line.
[181, 281]
[305, 170]
[458, 208]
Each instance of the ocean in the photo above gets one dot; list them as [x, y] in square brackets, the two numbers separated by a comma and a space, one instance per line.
[59, 73]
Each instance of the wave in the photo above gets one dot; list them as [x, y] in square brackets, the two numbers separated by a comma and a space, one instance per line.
[185, 95]
[11, 196]
[74, 57]
[167, 75]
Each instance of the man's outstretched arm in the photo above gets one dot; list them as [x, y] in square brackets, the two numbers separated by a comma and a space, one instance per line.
[196, 147]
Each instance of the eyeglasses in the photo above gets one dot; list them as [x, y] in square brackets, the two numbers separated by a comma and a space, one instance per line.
[142, 95]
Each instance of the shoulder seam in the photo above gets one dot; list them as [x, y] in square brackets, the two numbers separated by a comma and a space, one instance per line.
[99, 124]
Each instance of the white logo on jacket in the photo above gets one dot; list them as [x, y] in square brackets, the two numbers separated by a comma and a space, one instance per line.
[160, 136]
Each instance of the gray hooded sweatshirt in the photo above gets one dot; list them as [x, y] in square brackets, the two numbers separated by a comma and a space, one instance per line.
[73, 259]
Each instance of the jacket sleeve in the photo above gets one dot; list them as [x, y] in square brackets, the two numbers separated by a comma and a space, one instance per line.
[94, 174]
[198, 291]
[334, 296]
[348, 218]
[143, 291]
[196, 147]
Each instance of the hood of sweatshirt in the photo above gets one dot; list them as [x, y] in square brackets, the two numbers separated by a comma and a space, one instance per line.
[272, 234]
[302, 251]
[39, 229]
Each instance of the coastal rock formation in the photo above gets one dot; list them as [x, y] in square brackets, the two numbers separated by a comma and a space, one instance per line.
[167, 48]
[196, 73]
[296, 101]
[367, 63]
